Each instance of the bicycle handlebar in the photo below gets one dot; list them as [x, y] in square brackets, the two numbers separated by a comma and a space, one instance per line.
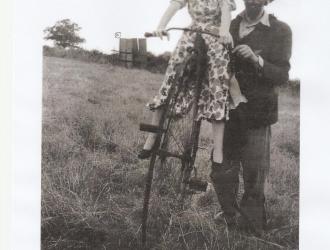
[148, 34]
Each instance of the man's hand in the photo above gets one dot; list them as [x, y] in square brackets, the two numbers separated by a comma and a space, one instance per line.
[246, 52]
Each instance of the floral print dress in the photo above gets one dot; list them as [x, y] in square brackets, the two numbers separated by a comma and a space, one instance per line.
[214, 101]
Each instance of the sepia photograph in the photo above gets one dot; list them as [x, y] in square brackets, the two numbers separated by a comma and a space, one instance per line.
[171, 124]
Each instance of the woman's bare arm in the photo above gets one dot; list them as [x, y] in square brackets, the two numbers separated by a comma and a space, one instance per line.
[225, 23]
[225, 17]
[167, 16]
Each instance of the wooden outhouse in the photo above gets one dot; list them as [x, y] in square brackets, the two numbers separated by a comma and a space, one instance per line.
[132, 51]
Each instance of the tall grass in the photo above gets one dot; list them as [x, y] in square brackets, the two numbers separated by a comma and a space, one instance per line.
[92, 182]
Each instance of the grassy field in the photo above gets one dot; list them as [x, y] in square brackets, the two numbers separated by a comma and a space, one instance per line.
[92, 181]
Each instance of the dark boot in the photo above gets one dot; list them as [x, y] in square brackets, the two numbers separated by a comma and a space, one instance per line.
[254, 209]
[225, 181]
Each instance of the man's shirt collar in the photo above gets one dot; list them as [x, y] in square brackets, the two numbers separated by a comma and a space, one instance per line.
[264, 19]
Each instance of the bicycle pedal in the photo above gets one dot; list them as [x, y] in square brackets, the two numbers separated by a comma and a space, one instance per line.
[198, 184]
[150, 128]
[163, 153]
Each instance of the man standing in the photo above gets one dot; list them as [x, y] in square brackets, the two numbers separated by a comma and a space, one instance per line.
[262, 53]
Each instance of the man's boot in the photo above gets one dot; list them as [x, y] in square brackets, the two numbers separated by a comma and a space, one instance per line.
[253, 207]
[225, 181]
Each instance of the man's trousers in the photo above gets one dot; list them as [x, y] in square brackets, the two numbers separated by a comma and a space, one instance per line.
[251, 148]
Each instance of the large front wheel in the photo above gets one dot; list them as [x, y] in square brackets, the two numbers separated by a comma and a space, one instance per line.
[177, 141]
[172, 162]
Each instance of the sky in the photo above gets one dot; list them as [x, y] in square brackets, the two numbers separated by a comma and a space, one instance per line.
[101, 19]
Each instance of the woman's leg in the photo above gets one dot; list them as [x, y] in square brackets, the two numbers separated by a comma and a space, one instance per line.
[218, 128]
[156, 115]
[224, 177]
[218, 87]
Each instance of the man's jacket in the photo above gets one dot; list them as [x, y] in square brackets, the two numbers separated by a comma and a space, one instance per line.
[273, 43]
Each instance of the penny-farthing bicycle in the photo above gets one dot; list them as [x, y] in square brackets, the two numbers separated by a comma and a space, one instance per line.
[178, 137]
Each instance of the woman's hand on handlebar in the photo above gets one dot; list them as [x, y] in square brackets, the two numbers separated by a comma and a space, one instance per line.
[160, 33]
[226, 38]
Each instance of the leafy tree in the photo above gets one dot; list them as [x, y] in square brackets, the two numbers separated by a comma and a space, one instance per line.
[64, 34]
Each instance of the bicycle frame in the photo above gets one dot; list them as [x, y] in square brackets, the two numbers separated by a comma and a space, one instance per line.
[189, 155]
